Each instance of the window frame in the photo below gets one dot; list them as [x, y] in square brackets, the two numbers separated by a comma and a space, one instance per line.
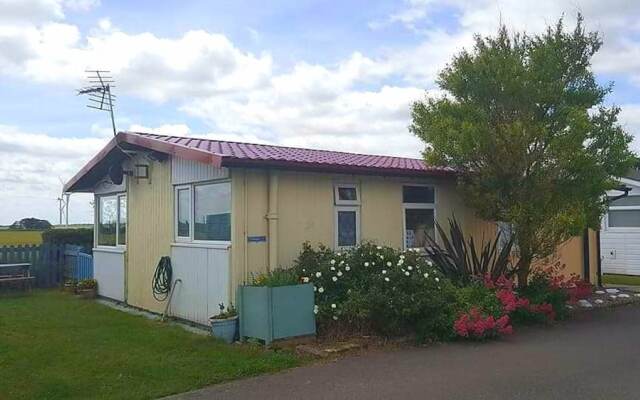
[98, 210]
[336, 196]
[337, 210]
[418, 206]
[621, 228]
[191, 187]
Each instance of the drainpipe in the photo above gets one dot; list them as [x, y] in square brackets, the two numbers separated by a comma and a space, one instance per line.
[599, 255]
[272, 220]
[586, 268]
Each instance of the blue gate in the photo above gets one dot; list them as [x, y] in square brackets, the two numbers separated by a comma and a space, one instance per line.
[84, 267]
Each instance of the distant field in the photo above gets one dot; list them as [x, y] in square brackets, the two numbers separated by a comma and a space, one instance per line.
[15, 237]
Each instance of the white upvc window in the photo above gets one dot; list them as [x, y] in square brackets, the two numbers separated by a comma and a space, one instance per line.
[419, 215]
[111, 220]
[203, 212]
[346, 215]
[623, 218]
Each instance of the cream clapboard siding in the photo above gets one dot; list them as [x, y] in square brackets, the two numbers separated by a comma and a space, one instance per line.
[187, 171]
[150, 232]
[306, 213]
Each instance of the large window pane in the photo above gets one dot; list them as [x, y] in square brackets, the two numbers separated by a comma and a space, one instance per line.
[347, 228]
[419, 223]
[184, 213]
[212, 212]
[418, 194]
[626, 201]
[107, 221]
[122, 220]
[624, 218]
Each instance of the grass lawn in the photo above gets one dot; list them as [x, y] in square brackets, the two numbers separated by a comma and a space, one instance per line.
[55, 346]
[613, 279]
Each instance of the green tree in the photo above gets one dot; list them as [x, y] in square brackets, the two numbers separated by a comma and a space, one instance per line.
[523, 120]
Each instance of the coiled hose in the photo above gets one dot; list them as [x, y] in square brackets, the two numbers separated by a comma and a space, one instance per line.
[161, 284]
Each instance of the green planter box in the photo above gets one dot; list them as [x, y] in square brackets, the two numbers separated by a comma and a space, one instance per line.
[271, 313]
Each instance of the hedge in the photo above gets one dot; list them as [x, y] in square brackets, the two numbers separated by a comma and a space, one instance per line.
[78, 236]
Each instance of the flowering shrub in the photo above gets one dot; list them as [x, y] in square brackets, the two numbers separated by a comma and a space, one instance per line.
[390, 291]
[474, 324]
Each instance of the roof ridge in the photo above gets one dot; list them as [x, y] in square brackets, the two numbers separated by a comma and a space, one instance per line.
[273, 145]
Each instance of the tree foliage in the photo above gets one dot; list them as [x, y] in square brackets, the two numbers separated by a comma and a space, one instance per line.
[31, 223]
[523, 118]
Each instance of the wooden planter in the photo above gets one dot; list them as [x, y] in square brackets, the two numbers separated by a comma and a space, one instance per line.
[271, 313]
[88, 293]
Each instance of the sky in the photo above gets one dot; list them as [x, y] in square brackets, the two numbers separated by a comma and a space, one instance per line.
[337, 75]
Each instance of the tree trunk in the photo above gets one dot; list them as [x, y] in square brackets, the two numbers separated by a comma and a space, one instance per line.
[522, 269]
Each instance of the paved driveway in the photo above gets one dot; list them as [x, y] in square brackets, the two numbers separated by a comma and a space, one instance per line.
[596, 356]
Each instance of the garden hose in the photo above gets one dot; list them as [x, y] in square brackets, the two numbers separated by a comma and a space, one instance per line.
[161, 284]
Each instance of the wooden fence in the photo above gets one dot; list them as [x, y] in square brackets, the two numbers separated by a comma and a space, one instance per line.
[51, 264]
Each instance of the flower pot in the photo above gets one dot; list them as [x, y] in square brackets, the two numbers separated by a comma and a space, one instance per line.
[280, 312]
[225, 329]
[69, 288]
[88, 293]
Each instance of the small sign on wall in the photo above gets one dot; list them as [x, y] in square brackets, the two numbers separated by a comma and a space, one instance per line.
[256, 239]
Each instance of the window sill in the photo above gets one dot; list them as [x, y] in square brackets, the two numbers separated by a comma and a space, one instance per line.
[109, 249]
[218, 246]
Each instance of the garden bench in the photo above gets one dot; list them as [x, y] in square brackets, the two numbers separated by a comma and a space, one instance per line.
[16, 274]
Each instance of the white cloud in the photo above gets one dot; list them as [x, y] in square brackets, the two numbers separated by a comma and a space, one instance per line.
[33, 166]
[166, 129]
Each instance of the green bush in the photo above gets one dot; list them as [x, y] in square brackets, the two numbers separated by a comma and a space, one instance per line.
[277, 277]
[543, 288]
[390, 291]
[80, 236]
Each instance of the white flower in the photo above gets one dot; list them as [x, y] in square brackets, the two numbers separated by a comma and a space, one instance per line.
[333, 306]
[333, 268]
[366, 264]
[407, 273]
[335, 278]
[373, 263]
[305, 279]
[332, 262]
[335, 317]
[347, 268]
[379, 247]
[318, 274]
[429, 263]
[315, 288]
[339, 273]
[341, 262]
[426, 274]
[439, 287]
[437, 279]
[401, 262]
[338, 254]
[389, 263]
[381, 257]
[321, 290]
[386, 279]
[315, 309]
[384, 271]
[304, 270]
[402, 256]
[410, 268]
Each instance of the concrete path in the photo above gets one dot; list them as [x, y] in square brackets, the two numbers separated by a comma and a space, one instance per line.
[596, 356]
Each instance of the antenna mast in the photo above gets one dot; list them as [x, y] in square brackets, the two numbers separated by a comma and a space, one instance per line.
[99, 93]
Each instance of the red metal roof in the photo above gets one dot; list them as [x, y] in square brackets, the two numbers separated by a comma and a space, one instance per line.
[236, 154]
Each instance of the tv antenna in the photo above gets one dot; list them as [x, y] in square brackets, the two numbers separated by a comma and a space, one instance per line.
[99, 93]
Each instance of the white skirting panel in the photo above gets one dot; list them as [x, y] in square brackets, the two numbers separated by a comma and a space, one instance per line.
[620, 251]
[204, 275]
[108, 270]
